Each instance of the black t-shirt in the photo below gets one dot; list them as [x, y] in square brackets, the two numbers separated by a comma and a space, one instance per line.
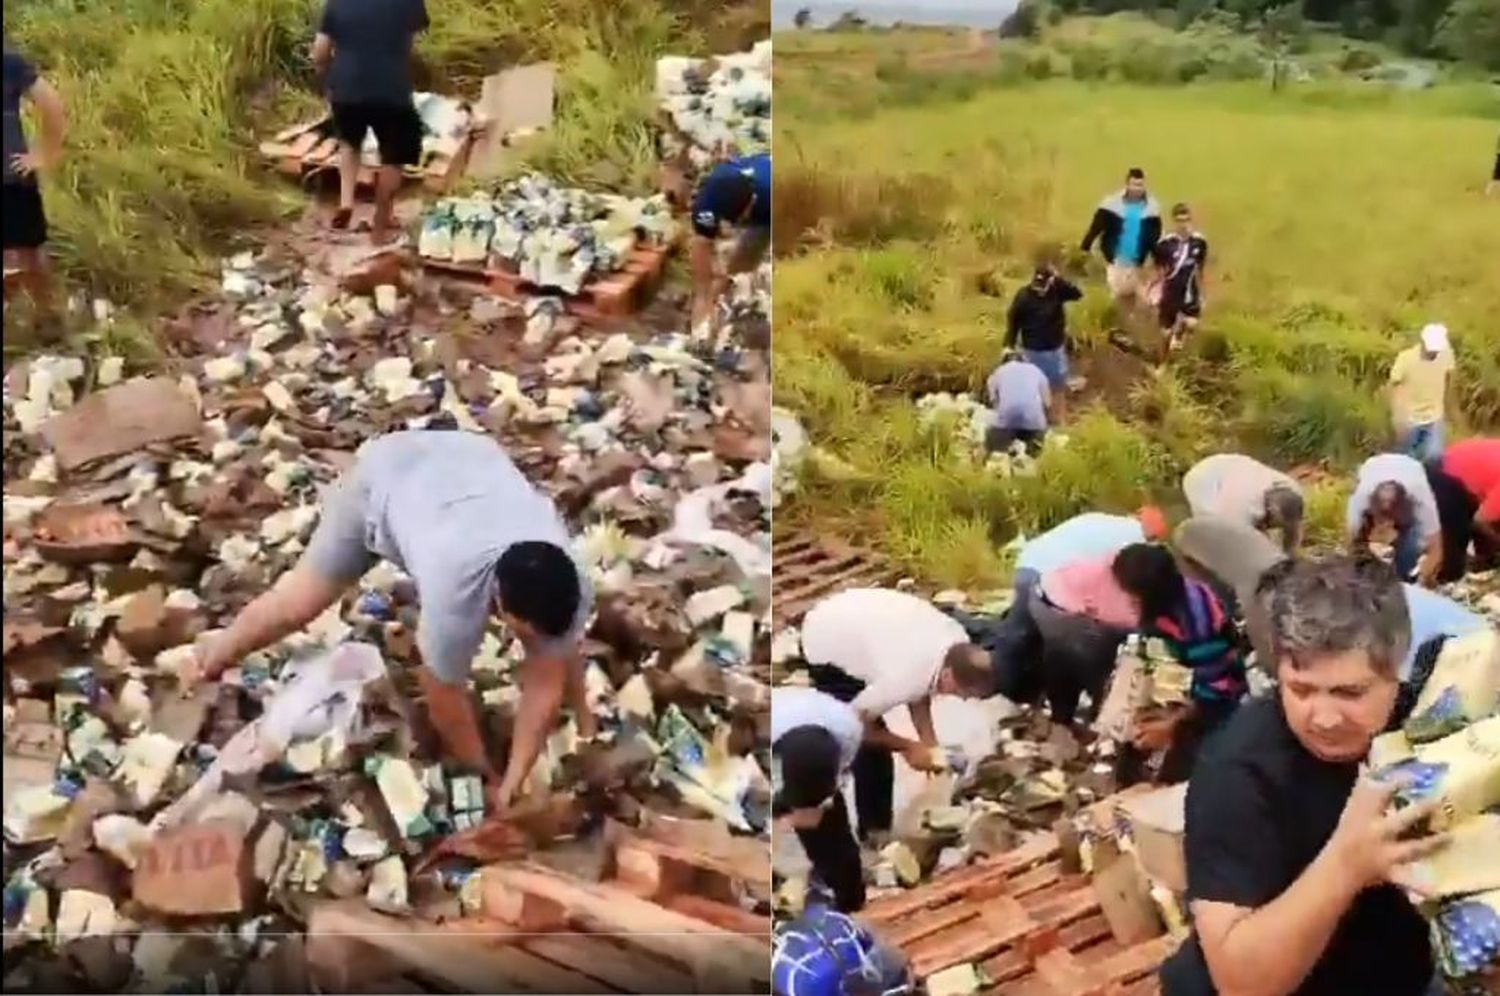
[1259, 809]
[372, 41]
[1181, 259]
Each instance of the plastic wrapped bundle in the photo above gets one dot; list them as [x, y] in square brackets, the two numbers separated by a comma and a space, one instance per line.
[1464, 687]
[436, 240]
[1466, 935]
[474, 226]
[1461, 771]
[1469, 864]
[721, 105]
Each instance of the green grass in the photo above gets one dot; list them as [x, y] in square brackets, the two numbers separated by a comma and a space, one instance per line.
[1342, 217]
[167, 100]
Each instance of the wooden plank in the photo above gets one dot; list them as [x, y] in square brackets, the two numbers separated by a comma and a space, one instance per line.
[707, 845]
[1062, 973]
[731, 918]
[932, 922]
[952, 885]
[1003, 923]
[719, 960]
[472, 955]
[621, 968]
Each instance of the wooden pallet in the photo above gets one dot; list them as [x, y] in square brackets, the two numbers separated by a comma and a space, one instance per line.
[616, 295]
[308, 150]
[812, 568]
[1028, 926]
[539, 930]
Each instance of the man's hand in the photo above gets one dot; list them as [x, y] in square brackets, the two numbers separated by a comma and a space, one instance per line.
[1427, 570]
[1155, 730]
[921, 757]
[31, 163]
[1367, 843]
[498, 794]
[212, 655]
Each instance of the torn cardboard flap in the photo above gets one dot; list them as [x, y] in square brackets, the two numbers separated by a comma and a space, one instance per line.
[120, 420]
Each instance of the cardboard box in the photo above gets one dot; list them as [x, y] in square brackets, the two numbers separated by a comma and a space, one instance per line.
[1156, 827]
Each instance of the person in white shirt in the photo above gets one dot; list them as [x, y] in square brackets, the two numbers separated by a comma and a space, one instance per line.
[1234, 486]
[814, 740]
[1395, 491]
[878, 649]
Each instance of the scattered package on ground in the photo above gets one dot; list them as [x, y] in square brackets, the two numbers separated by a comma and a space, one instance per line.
[719, 108]
[553, 236]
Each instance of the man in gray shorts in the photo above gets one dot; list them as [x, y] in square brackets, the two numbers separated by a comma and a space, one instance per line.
[453, 511]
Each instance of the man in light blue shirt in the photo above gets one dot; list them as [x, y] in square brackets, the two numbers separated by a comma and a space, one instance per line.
[1016, 647]
[1021, 404]
[1433, 616]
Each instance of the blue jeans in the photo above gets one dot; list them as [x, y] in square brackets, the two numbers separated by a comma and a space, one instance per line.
[1053, 363]
[1408, 552]
[1423, 443]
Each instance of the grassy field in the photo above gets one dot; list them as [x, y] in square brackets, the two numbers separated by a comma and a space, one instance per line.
[1342, 217]
[167, 98]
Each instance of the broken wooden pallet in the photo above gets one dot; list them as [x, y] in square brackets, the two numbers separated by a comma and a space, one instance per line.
[614, 295]
[1022, 920]
[309, 150]
[811, 568]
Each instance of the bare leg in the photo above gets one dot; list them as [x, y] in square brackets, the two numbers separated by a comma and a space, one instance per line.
[387, 183]
[348, 180]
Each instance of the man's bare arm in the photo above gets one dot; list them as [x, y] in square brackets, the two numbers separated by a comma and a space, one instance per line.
[921, 720]
[322, 53]
[53, 121]
[544, 682]
[578, 698]
[1269, 951]
[880, 736]
[451, 712]
[299, 597]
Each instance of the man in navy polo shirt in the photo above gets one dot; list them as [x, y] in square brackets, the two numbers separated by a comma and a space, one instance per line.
[734, 194]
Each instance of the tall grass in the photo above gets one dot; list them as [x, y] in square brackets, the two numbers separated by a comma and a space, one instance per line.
[167, 100]
[1341, 219]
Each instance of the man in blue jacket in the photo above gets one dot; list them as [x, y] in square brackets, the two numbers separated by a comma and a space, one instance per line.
[1127, 226]
[734, 195]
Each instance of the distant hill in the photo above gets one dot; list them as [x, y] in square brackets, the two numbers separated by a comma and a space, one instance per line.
[974, 14]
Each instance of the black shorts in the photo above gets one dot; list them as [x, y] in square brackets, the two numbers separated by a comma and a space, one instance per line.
[397, 127]
[1496, 175]
[1177, 303]
[25, 222]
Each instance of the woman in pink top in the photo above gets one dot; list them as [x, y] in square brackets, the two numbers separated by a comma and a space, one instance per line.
[1085, 609]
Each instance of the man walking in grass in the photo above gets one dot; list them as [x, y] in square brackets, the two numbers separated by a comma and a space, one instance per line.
[1419, 391]
[737, 195]
[1038, 322]
[25, 222]
[1127, 226]
[1180, 258]
[363, 47]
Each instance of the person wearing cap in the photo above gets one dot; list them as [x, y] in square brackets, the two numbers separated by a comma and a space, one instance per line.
[1394, 491]
[1037, 322]
[1020, 402]
[1475, 465]
[877, 649]
[1017, 643]
[814, 739]
[1234, 486]
[1419, 389]
[735, 194]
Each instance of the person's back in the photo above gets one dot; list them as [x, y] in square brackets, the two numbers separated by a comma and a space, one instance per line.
[1018, 394]
[1083, 537]
[372, 49]
[826, 953]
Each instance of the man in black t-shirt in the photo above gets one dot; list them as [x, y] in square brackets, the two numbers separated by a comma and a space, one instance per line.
[1180, 258]
[364, 47]
[1292, 858]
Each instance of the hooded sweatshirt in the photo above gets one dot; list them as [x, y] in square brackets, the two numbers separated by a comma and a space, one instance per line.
[1109, 222]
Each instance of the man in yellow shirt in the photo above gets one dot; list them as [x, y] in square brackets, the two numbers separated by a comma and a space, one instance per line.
[1419, 388]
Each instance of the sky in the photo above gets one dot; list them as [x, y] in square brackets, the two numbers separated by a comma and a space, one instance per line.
[970, 13]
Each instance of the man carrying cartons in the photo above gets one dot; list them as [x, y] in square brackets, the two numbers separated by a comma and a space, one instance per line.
[1294, 861]
[453, 511]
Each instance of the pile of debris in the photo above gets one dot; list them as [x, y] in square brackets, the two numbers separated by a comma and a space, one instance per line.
[141, 513]
[715, 108]
[552, 236]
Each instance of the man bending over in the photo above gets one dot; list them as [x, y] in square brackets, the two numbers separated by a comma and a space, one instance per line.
[453, 511]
